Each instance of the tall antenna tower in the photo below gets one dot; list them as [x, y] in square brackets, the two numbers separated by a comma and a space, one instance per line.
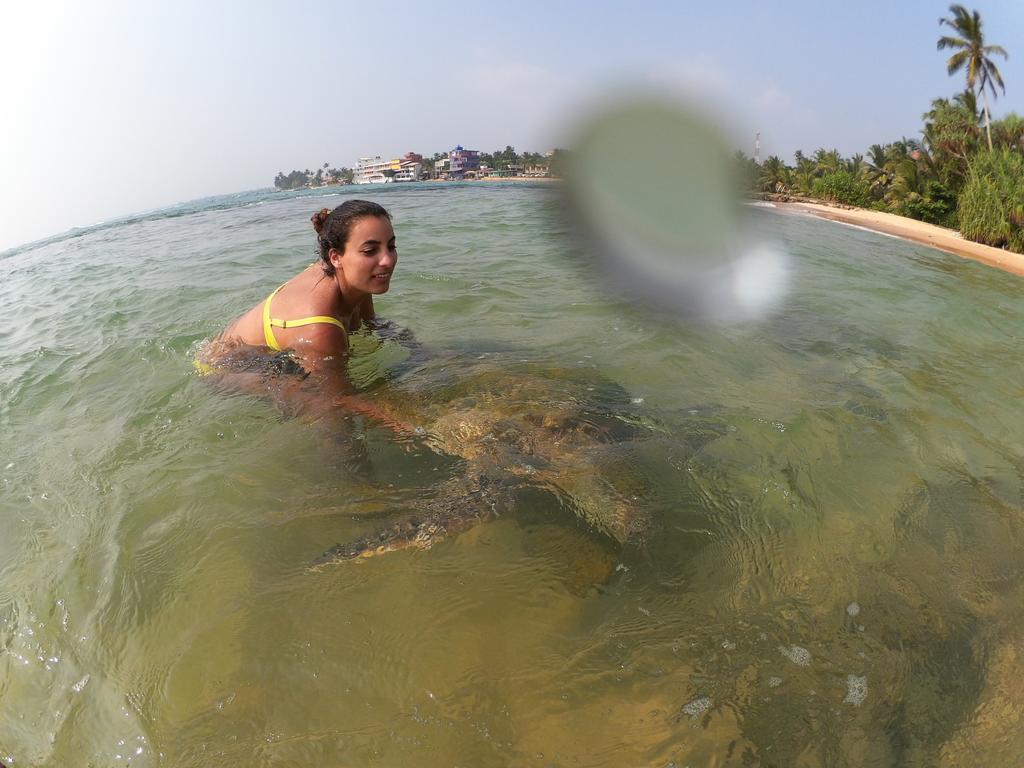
[757, 148]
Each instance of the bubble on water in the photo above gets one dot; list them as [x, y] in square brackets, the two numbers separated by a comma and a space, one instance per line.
[80, 685]
[729, 645]
[10, 465]
[797, 654]
[774, 682]
[853, 608]
[637, 401]
[697, 707]
[856, 690]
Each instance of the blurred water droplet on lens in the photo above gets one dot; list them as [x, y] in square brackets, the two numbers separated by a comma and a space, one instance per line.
[652, 187]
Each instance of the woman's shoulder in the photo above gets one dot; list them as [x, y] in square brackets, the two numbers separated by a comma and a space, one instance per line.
[310, 288]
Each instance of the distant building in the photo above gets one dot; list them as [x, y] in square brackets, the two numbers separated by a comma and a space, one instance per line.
[408, 170]
[463, 162]
[375, 170]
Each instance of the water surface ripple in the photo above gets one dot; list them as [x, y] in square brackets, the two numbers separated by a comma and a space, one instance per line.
[832, 575]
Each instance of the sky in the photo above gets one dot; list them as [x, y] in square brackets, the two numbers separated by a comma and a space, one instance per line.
[110, 108]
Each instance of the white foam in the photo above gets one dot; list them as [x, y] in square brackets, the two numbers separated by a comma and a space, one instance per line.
[697, 707]
[856, 690]
[797, 654]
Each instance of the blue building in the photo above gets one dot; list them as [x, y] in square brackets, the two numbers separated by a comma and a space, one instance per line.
[463, 161]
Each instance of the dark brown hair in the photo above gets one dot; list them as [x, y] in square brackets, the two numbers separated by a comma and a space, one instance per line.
[333, 227]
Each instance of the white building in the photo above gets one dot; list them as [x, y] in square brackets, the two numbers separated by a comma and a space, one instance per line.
[408, 171]
[374, 170]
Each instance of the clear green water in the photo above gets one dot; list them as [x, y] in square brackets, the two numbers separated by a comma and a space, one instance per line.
[864, 457]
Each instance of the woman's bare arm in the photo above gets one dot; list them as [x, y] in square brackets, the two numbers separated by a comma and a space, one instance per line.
[328, 387]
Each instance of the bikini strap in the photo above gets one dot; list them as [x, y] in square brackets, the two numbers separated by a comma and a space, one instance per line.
[268, 332]
[306, 321]
[269, 323]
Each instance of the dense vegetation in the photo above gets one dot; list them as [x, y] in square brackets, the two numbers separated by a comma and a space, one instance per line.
[966, 171]
[504, 160]
[307, 178]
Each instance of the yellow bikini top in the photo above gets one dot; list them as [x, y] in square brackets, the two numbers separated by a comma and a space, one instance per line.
[269, 323]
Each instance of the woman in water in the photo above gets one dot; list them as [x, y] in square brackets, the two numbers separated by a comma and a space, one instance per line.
[313, 313]
[311, 316]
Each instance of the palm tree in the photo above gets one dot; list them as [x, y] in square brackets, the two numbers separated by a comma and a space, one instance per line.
[803, 174]
[973, 55]
[774, 176]
[827, 161]
[968, 100]
[874, 172]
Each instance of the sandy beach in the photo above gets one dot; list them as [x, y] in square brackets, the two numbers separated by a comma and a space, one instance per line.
[948, 240]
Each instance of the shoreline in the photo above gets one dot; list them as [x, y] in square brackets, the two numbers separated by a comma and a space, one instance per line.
[932, 235]
[504, 179]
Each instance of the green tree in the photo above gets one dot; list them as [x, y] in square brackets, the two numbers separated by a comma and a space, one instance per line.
[1009, 132]
[952, 137]
[827, 161]
[908, 184]
[973, 56]
[968, 100]
[774, 176]
[293, 180]
[874, 172]
[804, 174]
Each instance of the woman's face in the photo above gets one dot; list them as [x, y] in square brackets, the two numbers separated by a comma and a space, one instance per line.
[370, 255]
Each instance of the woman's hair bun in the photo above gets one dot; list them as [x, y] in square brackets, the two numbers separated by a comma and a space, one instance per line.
[320, 218]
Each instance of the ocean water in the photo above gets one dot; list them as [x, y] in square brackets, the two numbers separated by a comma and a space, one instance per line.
[831, 571]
